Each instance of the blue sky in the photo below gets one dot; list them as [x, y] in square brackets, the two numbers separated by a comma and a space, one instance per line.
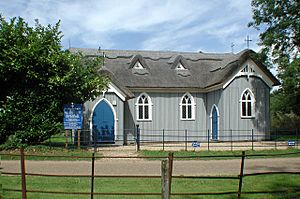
[177, 25]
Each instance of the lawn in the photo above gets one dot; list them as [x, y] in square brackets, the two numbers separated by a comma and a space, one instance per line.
[41, 150]
[209, 155]
[129, 185]
[251, 183]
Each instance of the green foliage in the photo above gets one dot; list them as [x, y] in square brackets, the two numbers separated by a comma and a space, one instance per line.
[280, 22]
[36, 78]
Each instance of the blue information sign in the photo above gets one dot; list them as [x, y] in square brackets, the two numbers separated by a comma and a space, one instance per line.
[291, 143]
[73, 116]
[195, 144]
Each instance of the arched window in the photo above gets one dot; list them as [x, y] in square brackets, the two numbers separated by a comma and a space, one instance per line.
[144, 107]
[247, 104]
[187, 107]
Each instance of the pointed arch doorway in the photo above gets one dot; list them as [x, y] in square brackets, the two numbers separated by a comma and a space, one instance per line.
[103, 122]
[214, 123]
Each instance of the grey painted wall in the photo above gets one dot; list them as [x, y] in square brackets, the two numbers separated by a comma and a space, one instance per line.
[230, 110]
[166, 114]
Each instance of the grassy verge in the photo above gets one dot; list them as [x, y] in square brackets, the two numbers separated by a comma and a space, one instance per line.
[261, 153]
[49, 151]
[257, 183]
[56, 151]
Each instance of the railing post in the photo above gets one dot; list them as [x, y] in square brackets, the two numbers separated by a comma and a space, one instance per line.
[275, 139]
[170, 159]
[252, 139]
[95, 138]
[24, 194]
[163, 139]
[165, 192]
[208, 139]
[185, 137]
[93, 176]
[241, 174]
[137, 137]
[297, 137]
[231, 143]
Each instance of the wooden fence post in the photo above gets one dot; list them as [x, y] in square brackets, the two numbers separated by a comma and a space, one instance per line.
[93, 176]
[78, 138]
[170, 159]
[165, 192]
[66, 144]
[23, 174]
[241, 174]
[1, 190]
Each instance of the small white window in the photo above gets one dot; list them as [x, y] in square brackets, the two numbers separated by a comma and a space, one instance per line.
[187, 107]
[138, 65]
[180, 66]
[144, 108]
[247, 104]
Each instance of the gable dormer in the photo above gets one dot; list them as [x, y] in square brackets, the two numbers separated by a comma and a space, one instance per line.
[179, 64]
[138, 65]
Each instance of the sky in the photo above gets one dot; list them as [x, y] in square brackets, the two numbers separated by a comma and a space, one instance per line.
[168, 25]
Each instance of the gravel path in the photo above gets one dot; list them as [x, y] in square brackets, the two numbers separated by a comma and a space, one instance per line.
[147, 167]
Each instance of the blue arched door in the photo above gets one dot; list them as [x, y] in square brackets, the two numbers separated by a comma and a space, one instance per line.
[215, 125]
[103, 123]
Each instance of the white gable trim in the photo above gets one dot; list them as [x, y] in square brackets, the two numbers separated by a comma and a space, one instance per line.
[255, 71]
[114, 89]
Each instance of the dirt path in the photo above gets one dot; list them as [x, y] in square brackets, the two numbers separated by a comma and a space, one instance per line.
[146, 167]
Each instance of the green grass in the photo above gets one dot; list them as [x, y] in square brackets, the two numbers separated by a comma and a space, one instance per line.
[128, 185]
[45, 150]
[41, 150]
[178, 154]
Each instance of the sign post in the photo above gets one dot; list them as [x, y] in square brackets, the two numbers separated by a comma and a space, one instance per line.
[73, 119]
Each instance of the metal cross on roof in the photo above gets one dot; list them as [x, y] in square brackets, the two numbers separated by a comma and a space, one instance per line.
[232, 45]
[248, 40]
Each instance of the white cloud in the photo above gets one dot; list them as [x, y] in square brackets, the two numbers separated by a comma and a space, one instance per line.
[168, 24]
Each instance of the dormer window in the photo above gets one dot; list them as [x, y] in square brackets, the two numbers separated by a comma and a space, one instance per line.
[180, 66]
[138, 65]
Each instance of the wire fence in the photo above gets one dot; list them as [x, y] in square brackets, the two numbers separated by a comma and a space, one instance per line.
[166, 177]
[165, 139]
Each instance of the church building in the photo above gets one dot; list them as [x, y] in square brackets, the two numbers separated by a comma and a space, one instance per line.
[204, 94]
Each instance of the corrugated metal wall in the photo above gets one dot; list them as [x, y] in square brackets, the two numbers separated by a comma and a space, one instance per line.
[166, 112]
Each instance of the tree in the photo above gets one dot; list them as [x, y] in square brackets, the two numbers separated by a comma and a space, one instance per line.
[36, 78]
[280, 39]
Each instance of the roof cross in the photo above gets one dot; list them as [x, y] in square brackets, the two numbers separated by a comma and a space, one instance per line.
[232, 45]
[248, 40]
